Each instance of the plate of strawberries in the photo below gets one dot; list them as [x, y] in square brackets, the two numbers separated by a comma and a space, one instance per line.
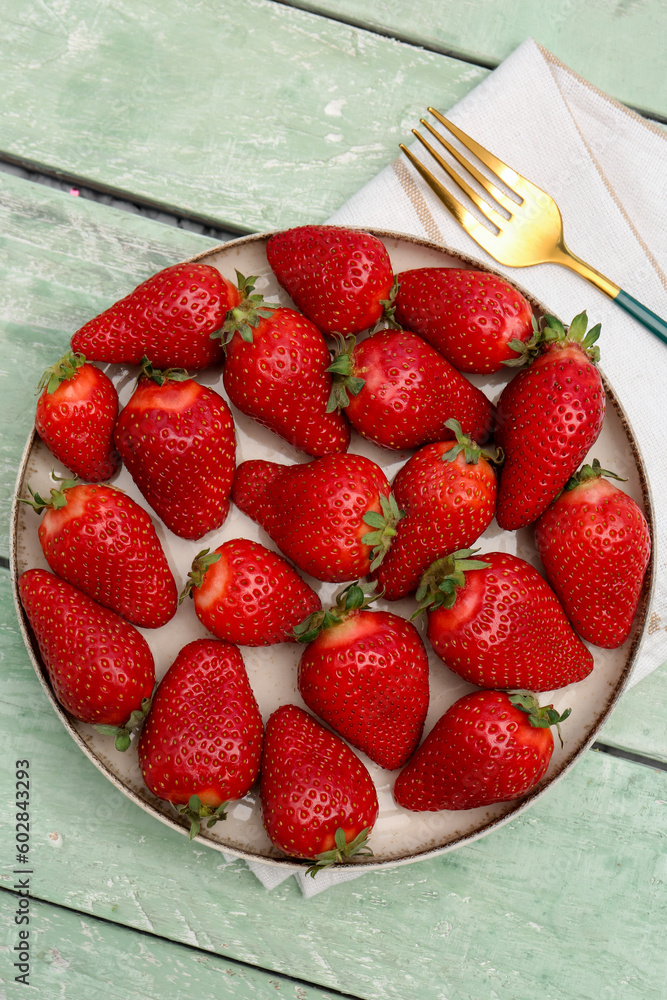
[331, 547]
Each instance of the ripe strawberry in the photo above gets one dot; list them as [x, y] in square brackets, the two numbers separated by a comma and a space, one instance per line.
[548, 417]
[315, 512]
[497, 623]
[100, 667]
[318, 799]
[470, 317]
[365, 673]
[339, 278]
[169, 318]
[246, 594]
[75, 417]
[403, 392]
[105, 544]
[177, 440]
[595, 546]
[447, 493]
[488, 747]
[276, 372]
[202, 742]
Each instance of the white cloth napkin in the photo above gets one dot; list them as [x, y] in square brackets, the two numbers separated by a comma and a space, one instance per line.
[605, 167]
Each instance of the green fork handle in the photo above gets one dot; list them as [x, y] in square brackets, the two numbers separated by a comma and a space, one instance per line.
[643, 315]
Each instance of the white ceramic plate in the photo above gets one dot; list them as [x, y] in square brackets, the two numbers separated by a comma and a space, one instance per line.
[399, 836]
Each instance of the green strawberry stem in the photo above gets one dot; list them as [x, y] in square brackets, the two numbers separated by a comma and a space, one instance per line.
[439, 585]
[123, 734]
[343, 382]
[539, 717]
[245, 317]
[471, 450]
[352, 598]
[63, 370]
[58, 498]
[389, 308]
[200, 565]
[550, 330]
[384, 525]
[160, 376]
[588, 472]
[196, 813]
[341, 852]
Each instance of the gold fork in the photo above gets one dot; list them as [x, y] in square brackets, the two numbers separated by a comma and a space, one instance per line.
[533, 233]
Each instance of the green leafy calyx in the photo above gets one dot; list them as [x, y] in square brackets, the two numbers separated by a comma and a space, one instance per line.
[58, 496]
[162, 375]
[63, 370]
[439, 586]
[197, 813]
[353, 598]
[587, 473]
[472, 452]
[341, 852]
[541, 717]
[123, 734]
[200, 565]
[384, 526]
[245, 317]
[344, 383]
[549, 331]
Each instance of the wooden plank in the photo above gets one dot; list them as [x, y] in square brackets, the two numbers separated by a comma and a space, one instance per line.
[618, 47]
[78, 958]
[250, 114]
[62, 260]
[556, 903]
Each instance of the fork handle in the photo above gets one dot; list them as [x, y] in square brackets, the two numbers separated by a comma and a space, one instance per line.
[643, 315]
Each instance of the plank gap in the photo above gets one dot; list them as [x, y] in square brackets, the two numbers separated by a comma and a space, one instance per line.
[630, 755]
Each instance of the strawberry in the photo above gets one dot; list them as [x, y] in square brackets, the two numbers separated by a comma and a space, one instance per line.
[469, 316]
[101, 541]
[246, 594]
[177, 440]
[595, 546]
[447, 493]
[202, 742]
[75, 417]
[318, 799]
[399, 392]
[100, 667]
[548, 417]
[365, 673]
[339, 278]
[276, 372]
[316, 512]
[168, 318]
[488, 747]
[497, 623]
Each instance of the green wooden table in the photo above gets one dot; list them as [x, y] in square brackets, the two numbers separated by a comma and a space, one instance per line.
[179, 125]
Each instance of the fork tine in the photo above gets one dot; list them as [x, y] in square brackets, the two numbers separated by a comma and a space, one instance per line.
[506, 174]
[479, 232]
[482, 205]
[496, 193]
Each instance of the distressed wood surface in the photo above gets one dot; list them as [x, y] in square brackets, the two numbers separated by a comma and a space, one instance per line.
[76, 957]
[626, 58]
[555, 902]
[248, 113]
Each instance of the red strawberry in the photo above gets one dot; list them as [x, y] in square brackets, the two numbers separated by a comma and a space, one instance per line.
[339, 278]
[595, 546]
[447, 493]
[315, 512]
[75, 417]
[318, 799]
[246, 594]
[548, 417]
[487, 747]
[403, 392]
[169, 318]
[202, 742]
[365, 673]
[177, 440]
[101, 541]
[470, 317]
[100, 667]
[497, 623]
[276, 372]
